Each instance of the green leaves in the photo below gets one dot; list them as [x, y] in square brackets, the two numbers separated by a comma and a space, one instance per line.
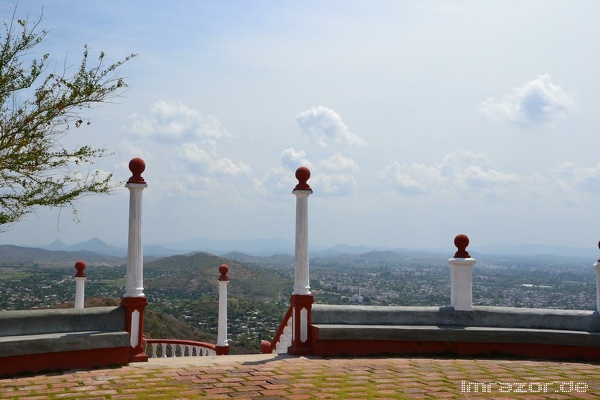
[37, 108]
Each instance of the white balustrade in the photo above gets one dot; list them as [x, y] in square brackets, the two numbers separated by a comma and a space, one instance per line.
[285, 340]
[168, 348]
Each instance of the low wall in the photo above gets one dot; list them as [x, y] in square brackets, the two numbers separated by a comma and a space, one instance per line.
[368, 330]
[37, 340]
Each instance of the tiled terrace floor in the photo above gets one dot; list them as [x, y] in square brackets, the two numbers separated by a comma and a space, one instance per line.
[284, 377]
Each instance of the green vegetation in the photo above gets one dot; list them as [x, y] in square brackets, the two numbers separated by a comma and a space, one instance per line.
[39, 104]
[183, 290]
[12, 274]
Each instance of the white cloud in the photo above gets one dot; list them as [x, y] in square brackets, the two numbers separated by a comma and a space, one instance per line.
[182, 146]
[576, 181]
[333, 176]
[281, 179]
[173, 122]
[339, 163]
[467, 179]
[292, 159]
[226, 167]
[324, 127]
[411, 178]
[191, 152]
[335, 184]
[458, 173]
[336, 176]
[537, 102]
[473, 171]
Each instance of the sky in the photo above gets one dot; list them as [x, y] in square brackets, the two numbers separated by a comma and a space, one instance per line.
[419, 120]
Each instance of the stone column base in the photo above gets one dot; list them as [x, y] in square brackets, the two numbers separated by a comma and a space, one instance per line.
[134, 324]
[301, 321]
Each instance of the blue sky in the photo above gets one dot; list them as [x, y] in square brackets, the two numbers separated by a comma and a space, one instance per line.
[418, 119]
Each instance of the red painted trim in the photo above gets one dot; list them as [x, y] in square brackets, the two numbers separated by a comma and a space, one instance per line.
[131, 304]
[273, 344]
[85, 359]
[298, 302]
[222, 350]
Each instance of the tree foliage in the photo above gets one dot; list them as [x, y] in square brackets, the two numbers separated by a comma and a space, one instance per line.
[38, 106]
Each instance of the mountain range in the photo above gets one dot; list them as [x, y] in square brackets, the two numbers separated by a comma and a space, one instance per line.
[101, 252]
[250, 246]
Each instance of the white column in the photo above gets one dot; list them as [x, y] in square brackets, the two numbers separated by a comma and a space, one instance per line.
[461, 276]
[134, 301]
[222, 327]
[134, 286]
[80, 279]
[79, 291]
[597, 266]
[461, 283]
[302, 299]
[301, 274]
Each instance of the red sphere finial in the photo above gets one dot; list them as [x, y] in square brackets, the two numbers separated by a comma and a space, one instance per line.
[223, 269]
[302, 174]
[137, 166]
[264, 346]
[80, 266]
[461, 242]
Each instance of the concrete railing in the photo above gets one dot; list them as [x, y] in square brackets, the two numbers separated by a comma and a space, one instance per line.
[35, 340]
[157, 348]
[368, 330]
[459, 328]
[283, 338]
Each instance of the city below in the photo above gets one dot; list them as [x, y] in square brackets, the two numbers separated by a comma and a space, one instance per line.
[185, 286]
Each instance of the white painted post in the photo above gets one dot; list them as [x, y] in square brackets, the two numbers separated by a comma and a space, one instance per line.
[597, 267]
[222, 342]
[80, 279]
[134, 286]
[461, 276]
[302, 299]
[301, 260]
[134, 301]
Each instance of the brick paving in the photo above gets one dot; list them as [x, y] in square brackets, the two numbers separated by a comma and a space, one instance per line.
[285, 377]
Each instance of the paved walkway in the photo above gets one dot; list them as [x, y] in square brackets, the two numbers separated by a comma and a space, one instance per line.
[285, 377]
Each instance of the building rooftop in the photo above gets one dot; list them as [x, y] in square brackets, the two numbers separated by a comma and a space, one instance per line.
[286, 377]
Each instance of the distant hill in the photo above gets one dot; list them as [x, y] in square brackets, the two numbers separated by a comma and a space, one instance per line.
[257, 247]
[11, 255]
[98, 246]
[386, 256]
[94, 244]
[592, 253]
[198, 274]
[347, 249]
[275, 252]
[276, 260]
